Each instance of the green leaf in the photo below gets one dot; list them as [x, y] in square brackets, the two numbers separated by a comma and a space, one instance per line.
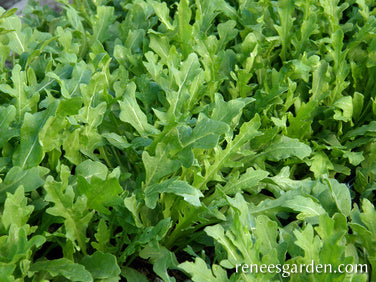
[344, 109]
[16, 210]
[363, 224]
[305, 206]
[249, 182]
[285, 11]
[161, 258]
[101, 266]
[7, 115]
[355, 158]
[23, 102]
[152, 235]
[162, 12]
[271, 207]
[308, 242]
[134, 207]
[64, 267]
[367, 129]
[30, 179]
[75, 213]
[226, 32]
[199, 271]
[320, 83]
[300, 125]
[205, 134]
[185, 29]
[247, 132]
[241, 245]
[332, 232]
[16, 246]
[159, 165]
[116, 140]
[286, 147]
[341, 195]
[320, 164]
[18, 37]
[53, 132]
[30, 153]
[88, 169]
[229, 112]
[6, 273]
[358, 100]
[283, 181]
[267, 230]
[133, 275]
[102, 236]
[72, 146]
[99, 193]
[189, 69]
[101, 23]
[177, 187]
[131, 111]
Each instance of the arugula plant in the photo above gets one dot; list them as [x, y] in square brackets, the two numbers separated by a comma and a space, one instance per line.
[178, 139]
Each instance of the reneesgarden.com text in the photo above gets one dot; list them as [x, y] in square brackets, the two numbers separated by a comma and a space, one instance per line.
[288, 269]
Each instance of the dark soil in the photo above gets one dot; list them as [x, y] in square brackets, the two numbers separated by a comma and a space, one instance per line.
[6, 4]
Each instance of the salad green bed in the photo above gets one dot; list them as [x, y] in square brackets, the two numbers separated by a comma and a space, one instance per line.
[143, 139]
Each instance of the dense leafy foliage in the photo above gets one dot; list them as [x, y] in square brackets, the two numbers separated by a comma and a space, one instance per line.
[178, 139]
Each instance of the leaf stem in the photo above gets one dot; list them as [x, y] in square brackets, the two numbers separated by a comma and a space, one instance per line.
[103, 154]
